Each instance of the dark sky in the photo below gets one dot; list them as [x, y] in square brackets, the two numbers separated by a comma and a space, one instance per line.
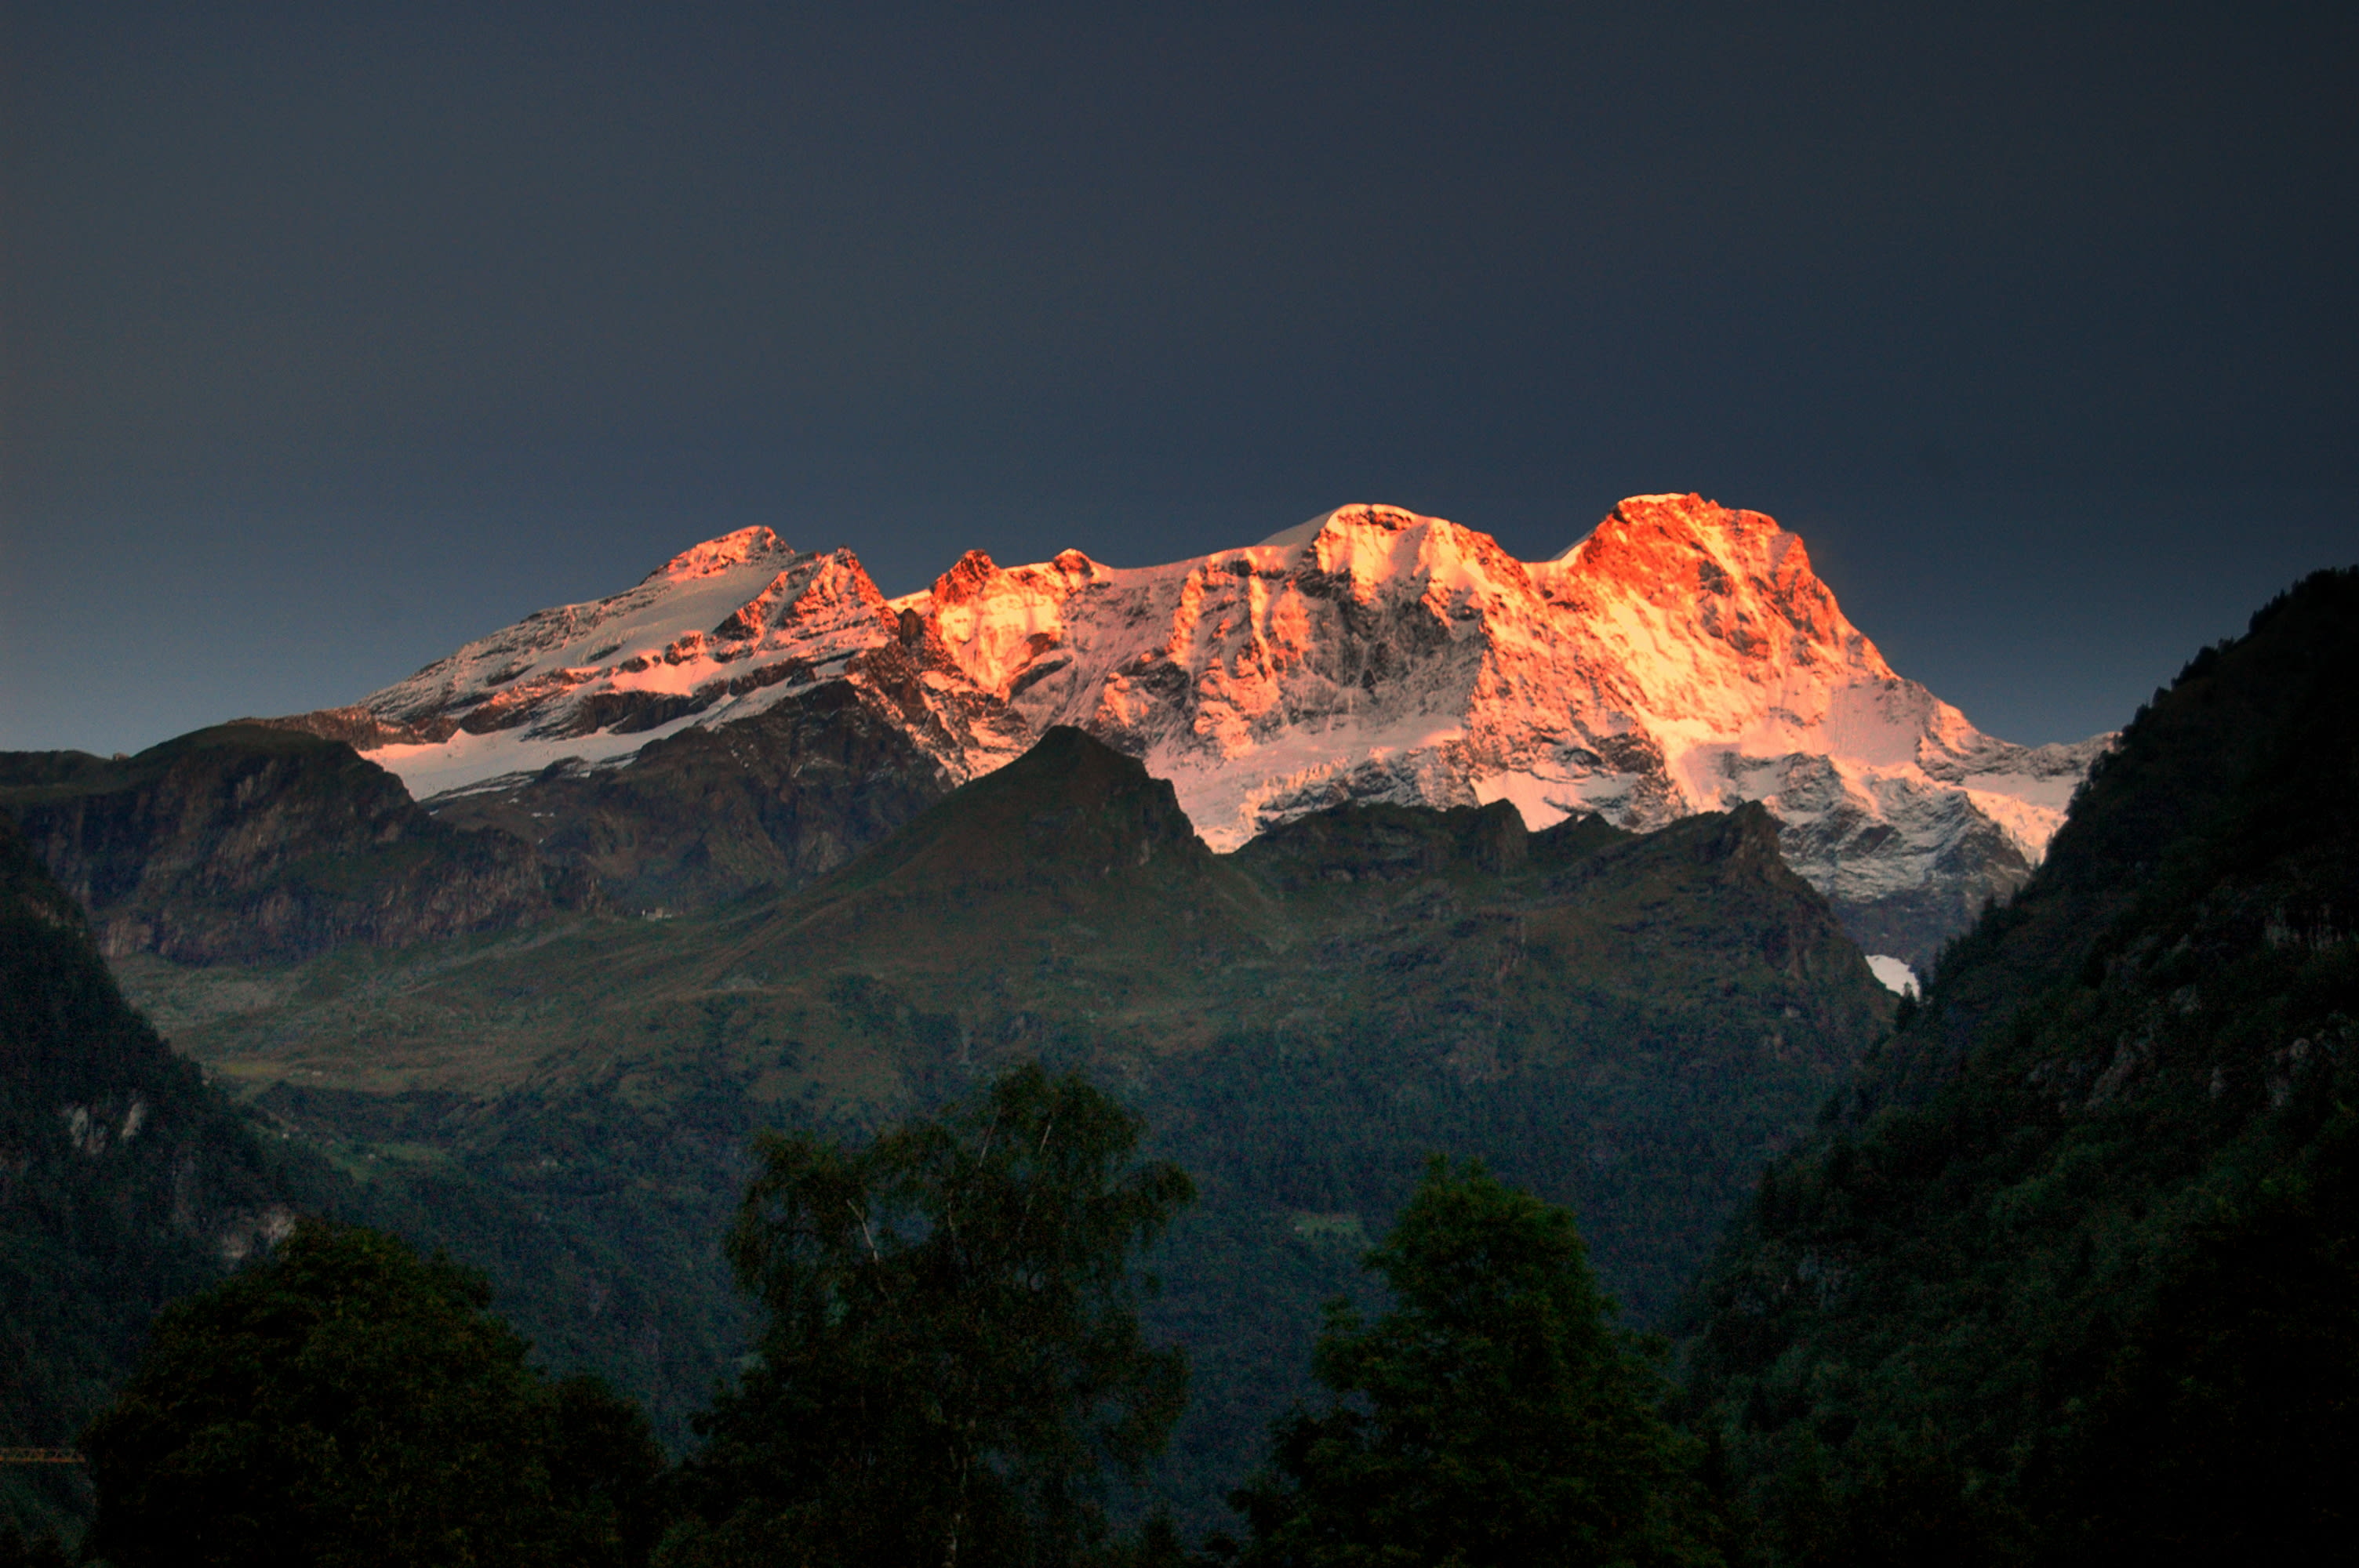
[332, 336]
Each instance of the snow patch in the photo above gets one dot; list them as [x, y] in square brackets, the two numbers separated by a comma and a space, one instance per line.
[1897, 977]
[1300, 534]
[1682, 657]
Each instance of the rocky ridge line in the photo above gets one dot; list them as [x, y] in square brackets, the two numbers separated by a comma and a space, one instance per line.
[1682, 657]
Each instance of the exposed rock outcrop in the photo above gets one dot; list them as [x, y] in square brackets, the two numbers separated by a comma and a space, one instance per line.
[1682, 657]
[249, 843]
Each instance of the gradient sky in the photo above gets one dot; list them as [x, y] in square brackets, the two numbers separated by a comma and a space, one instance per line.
[332, 336]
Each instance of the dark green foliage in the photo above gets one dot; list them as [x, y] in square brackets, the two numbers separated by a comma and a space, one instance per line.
[124, 1181]
[2067, 1273]
[1492, 1417]
[2228, 1425]
[952, 1362]
[1624, 1024]
[597, 1220]
[348, 1403]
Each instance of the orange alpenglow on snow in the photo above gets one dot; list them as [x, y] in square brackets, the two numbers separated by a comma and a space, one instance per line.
[1680, 657]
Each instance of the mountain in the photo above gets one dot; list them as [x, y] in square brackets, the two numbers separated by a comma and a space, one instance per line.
[2069, 1273]
[124, 1180]
[773, 712]
[246, 843]
[1629, 1022]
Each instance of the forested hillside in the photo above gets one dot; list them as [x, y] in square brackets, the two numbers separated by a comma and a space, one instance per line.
[2071, 1271]
[1630, 1024]
[2066, 1270]
[125, 1182]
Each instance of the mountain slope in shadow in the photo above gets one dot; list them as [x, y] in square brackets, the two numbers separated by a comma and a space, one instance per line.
[2073, 1273]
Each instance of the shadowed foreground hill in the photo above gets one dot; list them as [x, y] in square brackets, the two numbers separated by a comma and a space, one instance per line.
[2074, 1272]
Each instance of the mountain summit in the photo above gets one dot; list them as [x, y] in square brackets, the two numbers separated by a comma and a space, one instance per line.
[1681, 658]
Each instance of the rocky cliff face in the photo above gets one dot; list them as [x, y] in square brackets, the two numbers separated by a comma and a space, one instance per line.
[1682, 657]
[774, 800]
[248, 843]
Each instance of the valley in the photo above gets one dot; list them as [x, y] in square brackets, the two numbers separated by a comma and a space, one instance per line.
[540, 1022]
[1629, 1023]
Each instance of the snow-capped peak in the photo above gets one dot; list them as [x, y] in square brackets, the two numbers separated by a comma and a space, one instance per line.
[1682, 656]
[1300, 534]
[740, 548]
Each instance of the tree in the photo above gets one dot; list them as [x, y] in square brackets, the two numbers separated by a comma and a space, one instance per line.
[952, 1362]
[346, 1403]
[2225, 1430]
[1493, 1416]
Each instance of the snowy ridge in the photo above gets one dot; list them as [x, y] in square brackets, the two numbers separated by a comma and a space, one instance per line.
[721, 632]
[1680, 657]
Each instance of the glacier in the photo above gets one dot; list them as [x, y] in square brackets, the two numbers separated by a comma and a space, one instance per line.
[1682, 656]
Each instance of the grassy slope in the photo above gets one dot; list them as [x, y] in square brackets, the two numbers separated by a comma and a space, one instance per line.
[1632, 1025]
